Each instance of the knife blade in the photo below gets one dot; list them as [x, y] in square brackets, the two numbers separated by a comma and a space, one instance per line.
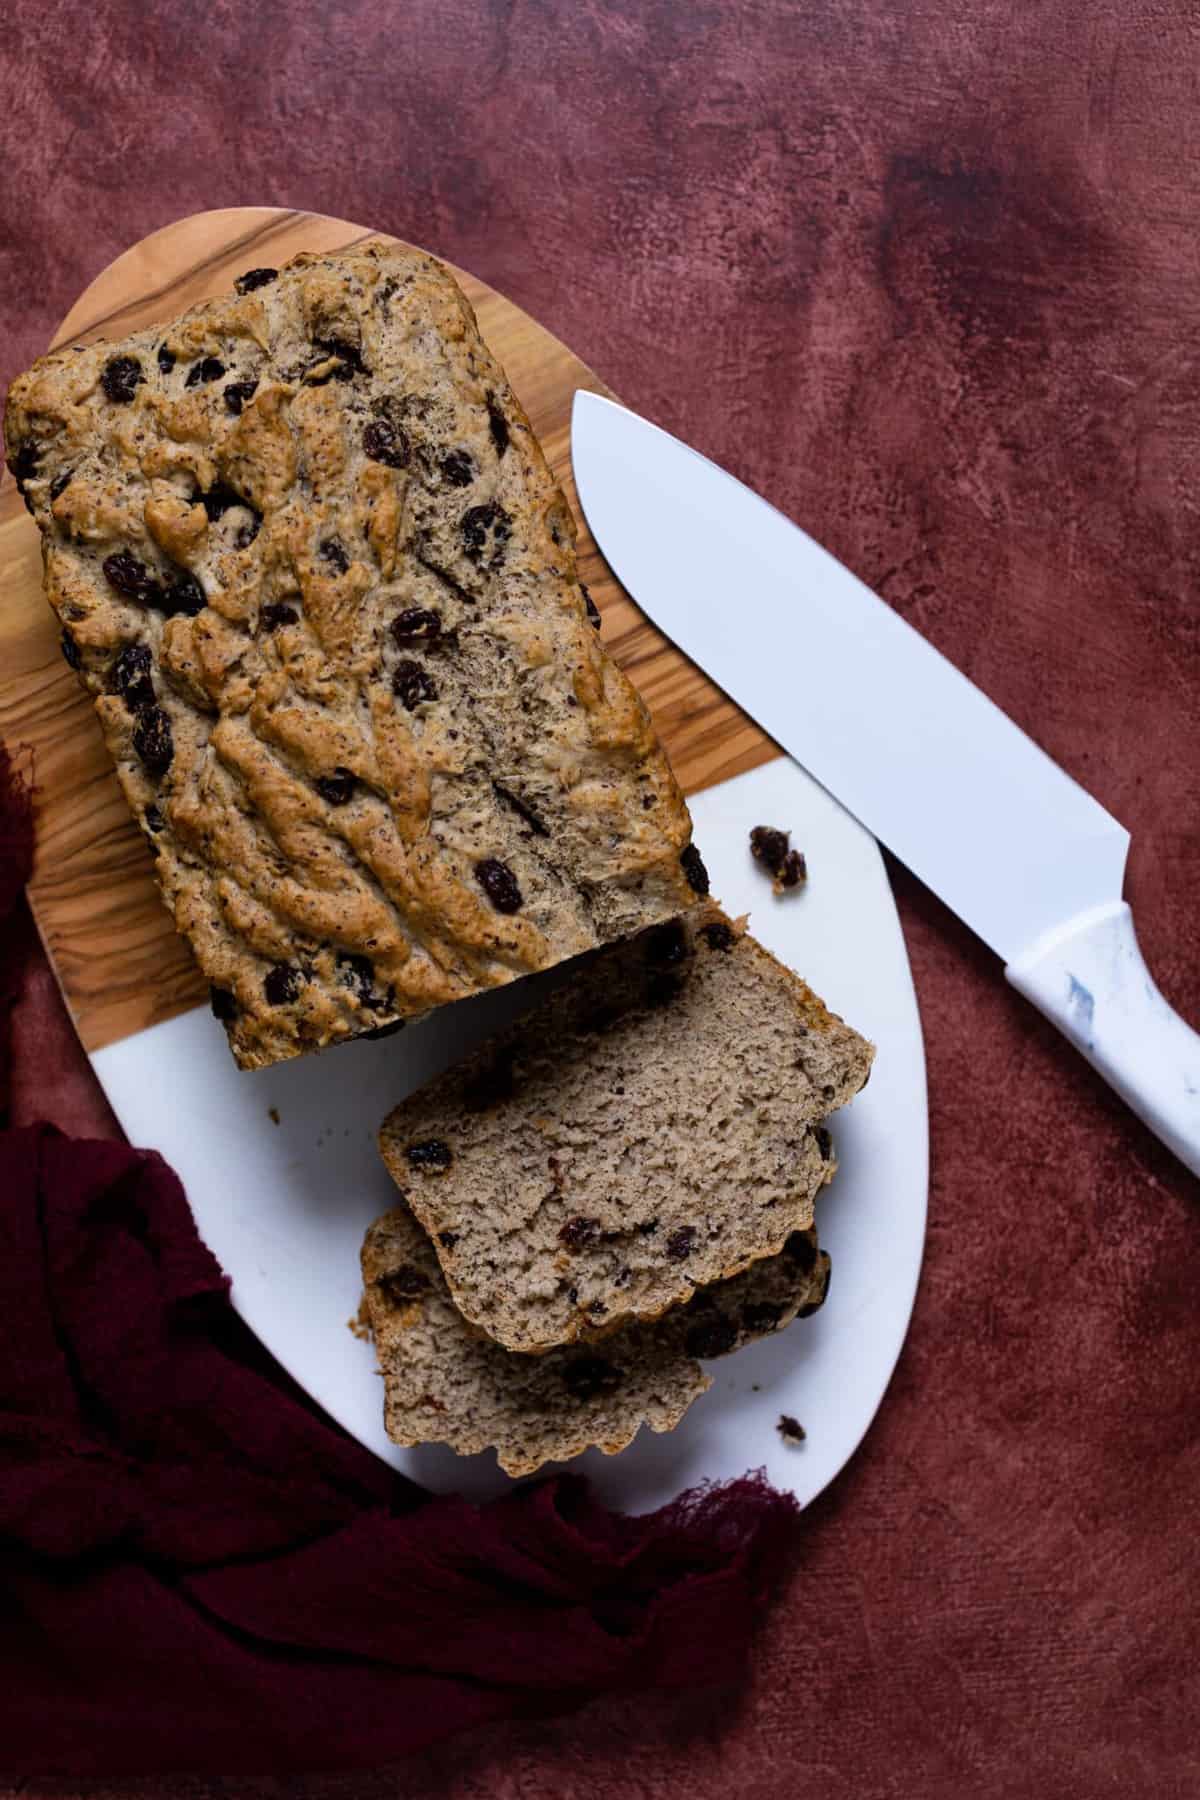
[913, 749]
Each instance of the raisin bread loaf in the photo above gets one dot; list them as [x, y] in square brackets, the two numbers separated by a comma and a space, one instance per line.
[443, 1383]
[310, 561]
[653, 1127]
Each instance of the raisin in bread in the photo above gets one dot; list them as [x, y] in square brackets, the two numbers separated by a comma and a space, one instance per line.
[444, 1383]
[311, 563]
[652, 1127]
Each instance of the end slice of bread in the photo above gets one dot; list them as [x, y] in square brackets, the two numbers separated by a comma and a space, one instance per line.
[445, 1383]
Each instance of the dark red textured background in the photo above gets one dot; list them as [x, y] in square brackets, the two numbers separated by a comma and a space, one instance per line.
[928, 275]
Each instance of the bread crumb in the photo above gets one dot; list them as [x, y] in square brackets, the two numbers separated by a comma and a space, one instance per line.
[360, 1324]
[273, 1114]
[790, 1430]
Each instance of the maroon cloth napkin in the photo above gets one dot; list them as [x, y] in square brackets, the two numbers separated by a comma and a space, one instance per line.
[198, 1572]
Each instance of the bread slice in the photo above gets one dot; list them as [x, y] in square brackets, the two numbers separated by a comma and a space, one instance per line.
[311, 565]
[446, 1384]
[644, 1132]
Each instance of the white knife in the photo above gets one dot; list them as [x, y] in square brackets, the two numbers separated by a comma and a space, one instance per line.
[917, 753]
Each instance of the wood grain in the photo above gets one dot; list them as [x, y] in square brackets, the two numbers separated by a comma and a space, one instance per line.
[113, 947]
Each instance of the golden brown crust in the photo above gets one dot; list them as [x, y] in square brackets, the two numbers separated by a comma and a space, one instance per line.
[366, 667]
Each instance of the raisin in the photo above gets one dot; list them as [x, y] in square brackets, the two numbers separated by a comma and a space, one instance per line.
[769, 847]
[711, 1337]
[824, 1143]
[499, 884]
[166, 359]
[254, 278]
[224, 1006]
[497, 425]
[800, 1249]
[132, 578]
[401, 1286]
[457, 468]
[794, 872]
[152, 739]
[61, 483]
[580, 1233]
[647, 1228]
[23, 466]
[761, 1316]
[282, 983]
[218, 500]
[152, 819]
[476, 525]
[416, 622]
[120, 378]
[412, 684]
[338, 787]
[184, 594]
[447, 1239]
[521, 808]
[692, 864]
[667, 944]
[238, 393]
[383, 1031]
[70, 650]
[346, 353]
[790, 1430]
[585, 1377]
[358, 973]
[274, 615]
[386, 443]
[593, 611]
[429, 1154]
[131, 677]
[681, 1243]
[718, 936]
[209, 368]
[334, 553]
[491, 1086]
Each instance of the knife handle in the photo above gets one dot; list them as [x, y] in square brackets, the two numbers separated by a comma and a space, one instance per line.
[1089, 978]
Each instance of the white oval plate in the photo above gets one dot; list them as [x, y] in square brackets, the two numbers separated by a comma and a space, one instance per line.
[284, 1206]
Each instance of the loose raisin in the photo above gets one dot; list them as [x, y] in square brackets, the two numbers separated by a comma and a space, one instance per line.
[667, 944]
[593, 611]
[184, 594]
[416, 622]
[794, 872]
[681, 1243]
[70, 650]
[769, 847]
[224, 1006]
[132, 578]
[152, 739]
[254, 278]
[152, 819]
[386, 443]
[711, 1337]
[120, 378]
[497, 425]
[334, 553]
[692, 864]
[401, 1286]
[800, 1249]
[587, 1377]
[580, 1233]
[521, 807]
[338, 787]
[499, 884]
[412, 684]
[761, 1316]
[238, 393]
[718, 936]
[131, 677]
[282, 983]
[166, 359]
[274, 615]
[209, 368]
[480, 524]
[790, 1429]
[430, 1154]
[61, 483]
[457, 468]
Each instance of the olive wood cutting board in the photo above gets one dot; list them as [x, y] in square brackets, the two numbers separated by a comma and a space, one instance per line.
[113, 947]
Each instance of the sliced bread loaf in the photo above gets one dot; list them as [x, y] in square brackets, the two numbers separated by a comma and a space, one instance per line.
[646, 1131]
[446, 1384]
